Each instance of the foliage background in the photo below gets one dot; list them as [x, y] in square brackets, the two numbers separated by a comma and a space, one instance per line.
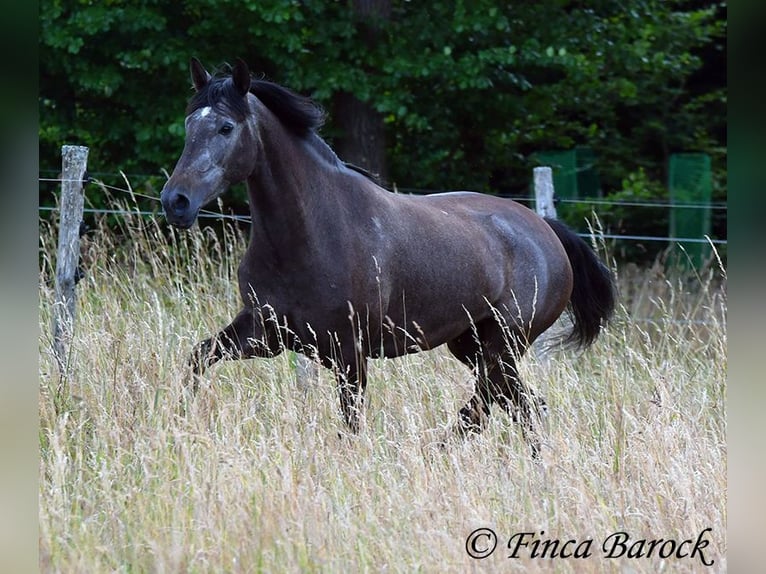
[465, 92]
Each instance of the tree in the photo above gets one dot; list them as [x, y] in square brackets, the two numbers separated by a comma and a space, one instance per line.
[361, 138]
[461, 94]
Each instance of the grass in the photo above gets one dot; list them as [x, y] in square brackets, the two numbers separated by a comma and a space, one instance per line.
[255, 478]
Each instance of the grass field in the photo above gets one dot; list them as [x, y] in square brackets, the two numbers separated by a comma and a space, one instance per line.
[255, 478]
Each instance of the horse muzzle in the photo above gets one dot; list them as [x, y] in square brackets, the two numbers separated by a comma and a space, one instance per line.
[180, 211]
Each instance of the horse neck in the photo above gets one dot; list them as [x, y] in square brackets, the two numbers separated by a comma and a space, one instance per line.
[291, 186]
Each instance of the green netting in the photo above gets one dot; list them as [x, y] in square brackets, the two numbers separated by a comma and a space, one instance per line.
[588, 182]
[574, 172]
[574, 177]
[690, 184]
[564, 166]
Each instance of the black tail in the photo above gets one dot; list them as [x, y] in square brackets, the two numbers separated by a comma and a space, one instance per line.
[593, 293]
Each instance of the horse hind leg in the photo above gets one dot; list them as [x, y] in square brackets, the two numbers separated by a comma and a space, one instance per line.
[505, 342]
[518, 400]
[492, 351]
[473, 416]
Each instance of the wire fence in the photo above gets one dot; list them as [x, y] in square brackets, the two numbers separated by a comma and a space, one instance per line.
[208, 214]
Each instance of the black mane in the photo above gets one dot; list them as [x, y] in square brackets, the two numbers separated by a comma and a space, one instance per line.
[297, 113]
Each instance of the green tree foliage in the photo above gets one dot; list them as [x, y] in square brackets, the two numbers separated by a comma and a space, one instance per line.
[468, 91]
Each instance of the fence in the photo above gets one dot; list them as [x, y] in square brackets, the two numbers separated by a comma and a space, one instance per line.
[670, 238]
[73, 179]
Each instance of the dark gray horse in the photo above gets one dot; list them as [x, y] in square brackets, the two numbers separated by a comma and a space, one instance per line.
[341, 269]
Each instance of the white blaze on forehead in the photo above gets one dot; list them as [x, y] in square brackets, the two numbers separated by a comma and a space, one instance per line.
[199, 114]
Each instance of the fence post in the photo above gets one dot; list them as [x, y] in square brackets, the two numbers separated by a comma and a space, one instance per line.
[543, 178]
[74, 162]
[543, 182]
[306, 372]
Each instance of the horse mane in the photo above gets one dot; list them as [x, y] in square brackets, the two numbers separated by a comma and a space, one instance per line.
[373, 177]
[299, 114]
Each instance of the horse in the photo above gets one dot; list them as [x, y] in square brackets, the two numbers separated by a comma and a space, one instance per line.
[341, 269]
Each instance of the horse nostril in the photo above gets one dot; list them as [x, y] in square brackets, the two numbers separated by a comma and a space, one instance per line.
[179, 203]
[180, 209]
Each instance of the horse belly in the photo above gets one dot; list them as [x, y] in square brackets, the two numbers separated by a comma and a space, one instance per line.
[435, 306]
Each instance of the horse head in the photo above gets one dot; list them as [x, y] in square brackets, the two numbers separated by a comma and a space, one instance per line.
[217, 152]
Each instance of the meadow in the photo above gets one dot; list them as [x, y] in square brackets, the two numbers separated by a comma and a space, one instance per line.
[258, 474]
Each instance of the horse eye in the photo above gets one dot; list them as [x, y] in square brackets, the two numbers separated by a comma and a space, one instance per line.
[226, 129]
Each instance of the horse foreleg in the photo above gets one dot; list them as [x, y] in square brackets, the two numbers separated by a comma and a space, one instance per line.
[351, 387]
[247, 336]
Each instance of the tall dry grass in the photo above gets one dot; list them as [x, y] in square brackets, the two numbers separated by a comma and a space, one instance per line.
[254, 477]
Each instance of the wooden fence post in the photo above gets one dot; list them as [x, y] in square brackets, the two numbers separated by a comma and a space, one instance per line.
[544, 206]
[306, 372]
[74, 162]
[543, 178]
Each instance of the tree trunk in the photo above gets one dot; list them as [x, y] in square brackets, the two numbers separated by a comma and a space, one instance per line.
[363, 141]
[363, 138]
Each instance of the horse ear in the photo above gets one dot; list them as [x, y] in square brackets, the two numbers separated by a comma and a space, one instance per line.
[241, 76]
[199, 74]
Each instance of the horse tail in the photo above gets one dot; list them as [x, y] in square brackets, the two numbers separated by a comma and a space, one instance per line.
[592, 302]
